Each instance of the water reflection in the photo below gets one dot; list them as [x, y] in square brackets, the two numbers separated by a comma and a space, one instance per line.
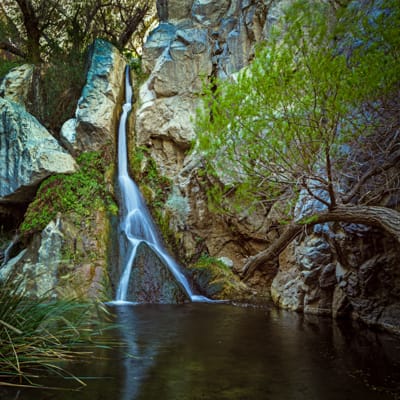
[218, 351]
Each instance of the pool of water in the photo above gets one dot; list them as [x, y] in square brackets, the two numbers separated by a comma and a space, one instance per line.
[221, 351]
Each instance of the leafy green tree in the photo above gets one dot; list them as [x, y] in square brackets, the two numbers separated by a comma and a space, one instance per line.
[36, 30]
[313, 115]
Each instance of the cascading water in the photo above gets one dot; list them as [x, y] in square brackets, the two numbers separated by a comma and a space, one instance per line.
[136, 223]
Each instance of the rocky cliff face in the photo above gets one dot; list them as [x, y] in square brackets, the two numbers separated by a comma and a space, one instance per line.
[71, 255]
[337, 271]
[195, 41]
[96, 115]
[351, 272]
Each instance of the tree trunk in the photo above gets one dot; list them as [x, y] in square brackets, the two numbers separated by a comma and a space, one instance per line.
[132, 25]
[33, 32]
[273, 251]
[379, 217]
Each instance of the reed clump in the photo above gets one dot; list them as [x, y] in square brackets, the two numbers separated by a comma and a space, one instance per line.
[38, 336]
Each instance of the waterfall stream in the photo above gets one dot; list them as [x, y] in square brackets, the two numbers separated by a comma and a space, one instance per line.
[136, 223]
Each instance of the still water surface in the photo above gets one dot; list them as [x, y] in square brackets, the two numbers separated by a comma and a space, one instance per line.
[220, 351]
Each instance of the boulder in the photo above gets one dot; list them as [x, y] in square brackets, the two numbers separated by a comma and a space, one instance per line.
[66, 260]
[38, 264]
[28, 154]
[151, 281]
[16, 84]
[95, 121]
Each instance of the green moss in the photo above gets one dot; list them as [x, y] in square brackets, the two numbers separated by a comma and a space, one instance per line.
[208, 261]
[80, 193]
[156, 189]
[135, 63]
[216, 280]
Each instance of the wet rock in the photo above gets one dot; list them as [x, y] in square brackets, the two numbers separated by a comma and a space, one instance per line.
[28, 154]
[288, 288]
[38, 264]
[151, 281]
[44, 272]
[355, 276]
[16, 84]
[95, 121]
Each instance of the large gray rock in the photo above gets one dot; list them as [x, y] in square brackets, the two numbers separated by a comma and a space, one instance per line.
[65, 260]
[196, 40]
[38, 268]
[28, 153]
[151, 281]
[209, 12]
[16, 84]
[96, 116]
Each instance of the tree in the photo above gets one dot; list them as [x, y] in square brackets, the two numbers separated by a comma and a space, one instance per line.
[54, 36]
[315, 114]
[36, 30]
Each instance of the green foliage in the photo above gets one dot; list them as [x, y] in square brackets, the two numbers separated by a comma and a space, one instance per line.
[145, 172]
[6, 66]
[179, 207]
[277, 127]
[79, 193]
[135, 63]
[207, 261]
[61, 85]
[43, 30]
[36, 335]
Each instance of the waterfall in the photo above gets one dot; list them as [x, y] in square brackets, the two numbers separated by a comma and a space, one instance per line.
[7, 250]
[136, 223]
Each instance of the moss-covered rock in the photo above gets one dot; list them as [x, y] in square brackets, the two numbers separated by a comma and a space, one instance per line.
[66, 231]
[78, 194]
[216, 280]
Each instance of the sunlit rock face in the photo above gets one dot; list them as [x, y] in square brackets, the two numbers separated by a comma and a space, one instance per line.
[16, 84]
[28, 153]
[96, 115]
[195, 41]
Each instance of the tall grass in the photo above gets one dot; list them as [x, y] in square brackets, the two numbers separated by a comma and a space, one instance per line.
[36, 336]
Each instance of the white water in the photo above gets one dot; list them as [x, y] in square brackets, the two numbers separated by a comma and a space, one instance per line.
[8, 249]
[136, 222]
